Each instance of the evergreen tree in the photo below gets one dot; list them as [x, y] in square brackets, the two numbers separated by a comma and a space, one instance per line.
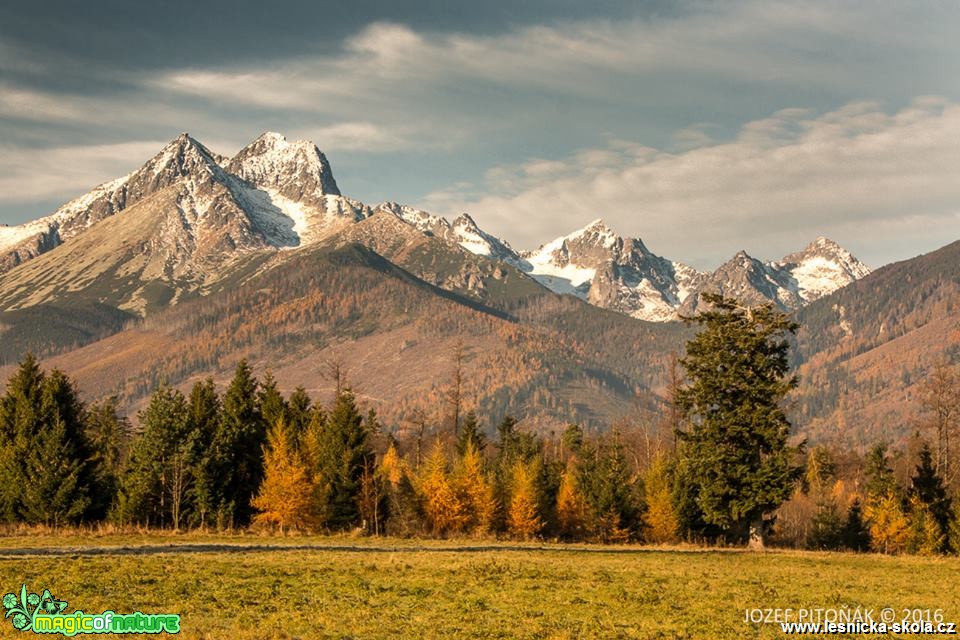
[342, 452]
[155, 484]
[826, 530]
[273, 407]
[470, 434]
[573, 439]
[612, 494]
[233, 461]
[856, 533]
[737, 367]
[59, 477]
[880, 479]
[928, 494]
[299, 409]
[109, 435]
[284, 496]
[203, 420]
[21, 421]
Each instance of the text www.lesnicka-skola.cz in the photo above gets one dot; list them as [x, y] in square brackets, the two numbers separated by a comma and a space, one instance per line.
[857, 620]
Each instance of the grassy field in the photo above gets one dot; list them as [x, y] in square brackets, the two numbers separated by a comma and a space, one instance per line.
[259, 587]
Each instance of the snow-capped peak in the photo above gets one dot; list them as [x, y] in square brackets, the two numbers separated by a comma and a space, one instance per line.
[295, 169]
[821, 268]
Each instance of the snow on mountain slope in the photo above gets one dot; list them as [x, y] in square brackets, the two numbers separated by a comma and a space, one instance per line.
[278, 194]
[822, 268]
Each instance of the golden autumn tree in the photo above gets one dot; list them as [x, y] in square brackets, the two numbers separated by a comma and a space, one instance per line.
[443, 505]
[475, 490]
[284, 497]
[571, 506]
[889, 526]
[523, 517]
[662, 523]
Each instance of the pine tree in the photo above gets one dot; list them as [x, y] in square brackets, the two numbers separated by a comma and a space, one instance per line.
[21, 420]
[523, 517]
[109, 435]
[233, 461]
[470, 434]
[737, 367]
[284, 496]
[154, 486]
[273, 407]
[59, 479]
[203, 420]
[341, 451]
[856, 533]
[928, 498]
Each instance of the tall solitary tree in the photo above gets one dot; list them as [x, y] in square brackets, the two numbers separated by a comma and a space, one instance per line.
[738, 374]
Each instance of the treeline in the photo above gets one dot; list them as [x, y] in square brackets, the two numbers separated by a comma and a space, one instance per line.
[253, 457]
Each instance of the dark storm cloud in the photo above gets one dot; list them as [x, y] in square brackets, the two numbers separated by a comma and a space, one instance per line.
[97, 38]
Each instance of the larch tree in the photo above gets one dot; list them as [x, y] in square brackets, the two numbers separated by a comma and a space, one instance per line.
[471, 481]
[523, 516]
[284, 499]
[443, 505]
[738, 373]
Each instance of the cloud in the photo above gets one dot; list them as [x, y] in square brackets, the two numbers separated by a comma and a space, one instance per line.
[66, 172]
[857, 172]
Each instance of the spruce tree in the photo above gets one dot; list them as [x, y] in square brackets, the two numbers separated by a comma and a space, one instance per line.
[342, 453]
[880, 479]
[20, 421]
[856, 533]
[613, 495]
[927, 492]
[273, 407]
[737, 367]
[109, 435]
[470, 435]
[234, 459]
[155, 484]
[58, 474]
[299, 408]
[203, 419]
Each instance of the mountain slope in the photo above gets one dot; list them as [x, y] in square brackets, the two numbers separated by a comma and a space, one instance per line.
[864, 350]
[395, 334]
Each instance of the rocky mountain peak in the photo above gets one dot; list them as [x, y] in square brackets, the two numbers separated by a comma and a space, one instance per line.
[296, 170]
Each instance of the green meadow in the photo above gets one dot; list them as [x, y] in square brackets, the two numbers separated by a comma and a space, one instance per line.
[340, 587]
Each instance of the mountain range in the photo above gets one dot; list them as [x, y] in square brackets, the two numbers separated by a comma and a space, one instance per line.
[208, 213]
[194, 260]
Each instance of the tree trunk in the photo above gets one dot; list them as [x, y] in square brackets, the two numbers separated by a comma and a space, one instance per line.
[757, 537]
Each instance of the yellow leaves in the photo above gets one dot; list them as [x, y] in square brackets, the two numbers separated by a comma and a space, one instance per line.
[523, 519]
[285, 494]
[571, 507]
[444, 506]
[889, 526]
[661, 517]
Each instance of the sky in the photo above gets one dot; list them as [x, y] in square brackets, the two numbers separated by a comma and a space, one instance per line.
[701, 127]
